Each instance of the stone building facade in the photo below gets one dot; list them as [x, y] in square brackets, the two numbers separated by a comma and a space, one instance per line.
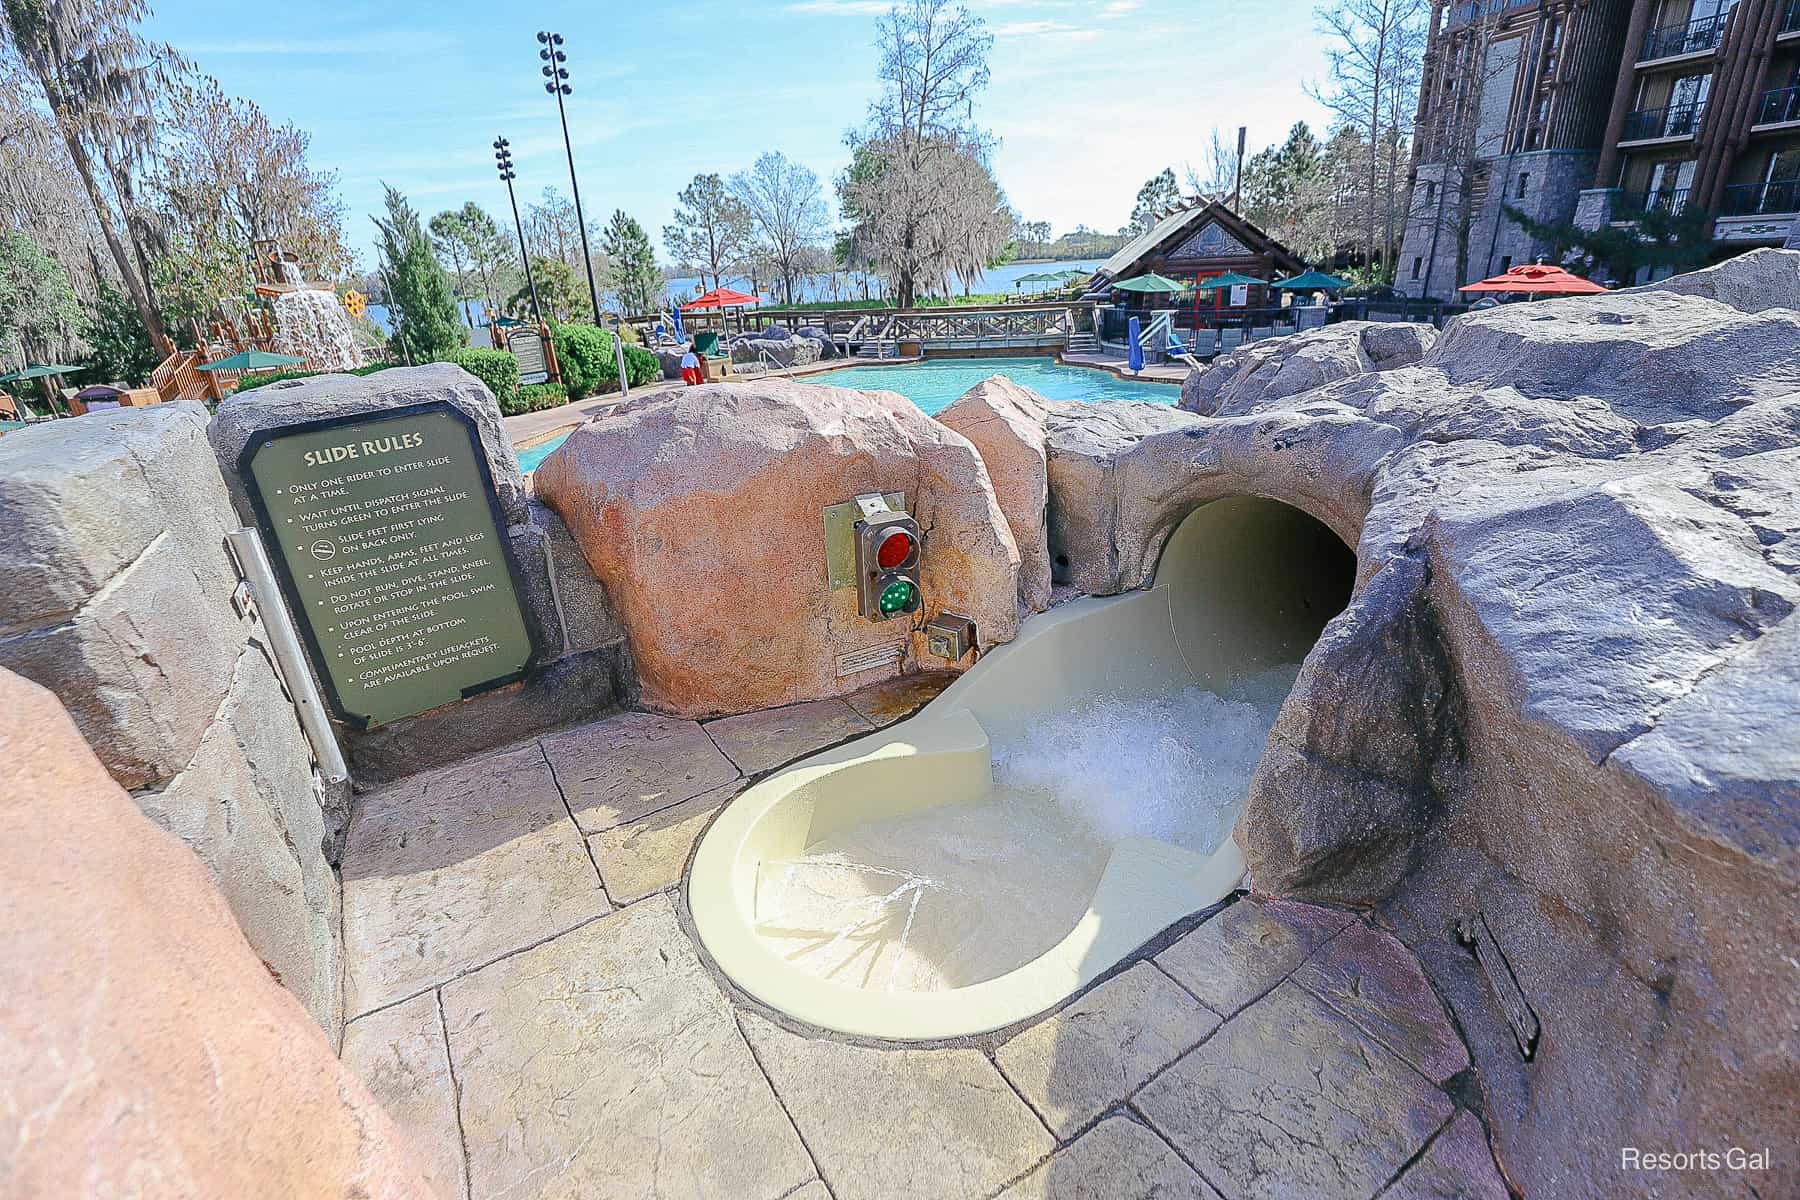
[1597, 111]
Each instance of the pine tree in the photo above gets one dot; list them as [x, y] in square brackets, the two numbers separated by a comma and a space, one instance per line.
[420, 303]
[631, 269]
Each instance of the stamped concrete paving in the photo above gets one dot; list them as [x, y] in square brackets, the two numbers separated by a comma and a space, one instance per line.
[530, 1009]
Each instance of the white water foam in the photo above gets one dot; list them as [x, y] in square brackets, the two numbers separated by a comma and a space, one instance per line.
[961, 893]
[1174, 768]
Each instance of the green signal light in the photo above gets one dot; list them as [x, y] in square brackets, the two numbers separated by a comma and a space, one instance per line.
[896, 596]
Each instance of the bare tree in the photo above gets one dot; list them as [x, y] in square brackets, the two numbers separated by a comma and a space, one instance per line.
[917, 184]
[1374, 49]
[1217, 173]
[787, 212]
[1454, 150]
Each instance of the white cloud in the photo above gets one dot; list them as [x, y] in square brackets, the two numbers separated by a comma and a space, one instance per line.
[1118, 8]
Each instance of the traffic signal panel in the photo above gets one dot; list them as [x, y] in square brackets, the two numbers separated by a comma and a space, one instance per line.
[887, 566]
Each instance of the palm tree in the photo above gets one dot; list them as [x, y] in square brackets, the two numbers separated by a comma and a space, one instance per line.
[97, 76]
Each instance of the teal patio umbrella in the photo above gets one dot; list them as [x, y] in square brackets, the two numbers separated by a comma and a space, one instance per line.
[251, 360]
[1313, 281]
[38, 371]
[1229, 279]
[1151, 284]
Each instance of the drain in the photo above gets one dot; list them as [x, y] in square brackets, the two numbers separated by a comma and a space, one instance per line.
[1474, 933]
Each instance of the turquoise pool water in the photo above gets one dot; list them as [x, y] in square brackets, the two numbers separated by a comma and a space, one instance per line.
[933, 385]
[531, 456]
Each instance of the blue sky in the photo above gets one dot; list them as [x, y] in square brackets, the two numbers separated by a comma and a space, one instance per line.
[1089, 97]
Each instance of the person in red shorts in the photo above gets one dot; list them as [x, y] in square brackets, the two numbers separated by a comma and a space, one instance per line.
[690, 366]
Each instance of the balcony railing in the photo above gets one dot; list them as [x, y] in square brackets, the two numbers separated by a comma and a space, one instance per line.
[1782, 104]
[1790, 20]
[1756, 199]
[1676, 120]
[1671, 40]
[1636, 204]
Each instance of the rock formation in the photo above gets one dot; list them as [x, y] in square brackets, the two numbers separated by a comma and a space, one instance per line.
[701, 512]
[1565, 698]
[1265, 371]
[145, 1050]
[1006, 424]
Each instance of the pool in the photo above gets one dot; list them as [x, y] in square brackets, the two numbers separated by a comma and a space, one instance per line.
[531, 456]
[933, 385]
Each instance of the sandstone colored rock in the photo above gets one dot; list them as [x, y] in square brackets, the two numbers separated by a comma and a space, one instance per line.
[1262, 372]
[700, 511]
[1006, 423]
[144, 1048]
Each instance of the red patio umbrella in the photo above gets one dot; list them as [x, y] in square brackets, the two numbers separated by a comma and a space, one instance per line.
[1538, 279]
[723, 297]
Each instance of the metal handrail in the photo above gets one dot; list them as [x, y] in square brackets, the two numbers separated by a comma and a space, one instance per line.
[1671, 40]
[1790, 20]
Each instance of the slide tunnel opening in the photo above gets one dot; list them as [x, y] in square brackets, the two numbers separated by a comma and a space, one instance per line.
[1063, 802]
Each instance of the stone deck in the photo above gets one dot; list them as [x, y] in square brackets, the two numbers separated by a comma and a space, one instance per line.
[530, 1008]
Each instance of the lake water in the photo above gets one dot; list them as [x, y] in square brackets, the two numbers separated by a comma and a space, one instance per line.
[817, 287]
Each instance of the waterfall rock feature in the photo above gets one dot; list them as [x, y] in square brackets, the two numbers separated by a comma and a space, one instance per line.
[1566, 696]
[701, 513]
[313, 325]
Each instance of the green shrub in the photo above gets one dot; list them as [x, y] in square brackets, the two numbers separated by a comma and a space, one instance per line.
[584, 354]
[641, 366]
[534, 397]
[496, 368]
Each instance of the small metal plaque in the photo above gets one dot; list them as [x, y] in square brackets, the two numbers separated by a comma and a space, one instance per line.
[840, 545]
[867, 660]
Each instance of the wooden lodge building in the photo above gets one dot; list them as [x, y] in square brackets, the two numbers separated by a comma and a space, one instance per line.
[1201, 240]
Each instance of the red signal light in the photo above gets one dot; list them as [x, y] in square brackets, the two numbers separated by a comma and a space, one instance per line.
[894, 549]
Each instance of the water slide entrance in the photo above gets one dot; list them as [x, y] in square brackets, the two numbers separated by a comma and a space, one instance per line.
[1064, 801]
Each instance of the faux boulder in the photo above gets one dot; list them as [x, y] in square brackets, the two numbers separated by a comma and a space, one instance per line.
[701, 512]
[786, 351]
[1005, 422]
[1274, 368]
[144, 1048]
[1561, 707]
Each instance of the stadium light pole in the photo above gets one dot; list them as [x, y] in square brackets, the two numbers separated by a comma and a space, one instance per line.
[503, 159]
[556, 82]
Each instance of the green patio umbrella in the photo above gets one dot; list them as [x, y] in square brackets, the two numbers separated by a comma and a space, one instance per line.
[1314, 281]
[251, 360]
[1151, 283]
[38, 371]
[1229, 279]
